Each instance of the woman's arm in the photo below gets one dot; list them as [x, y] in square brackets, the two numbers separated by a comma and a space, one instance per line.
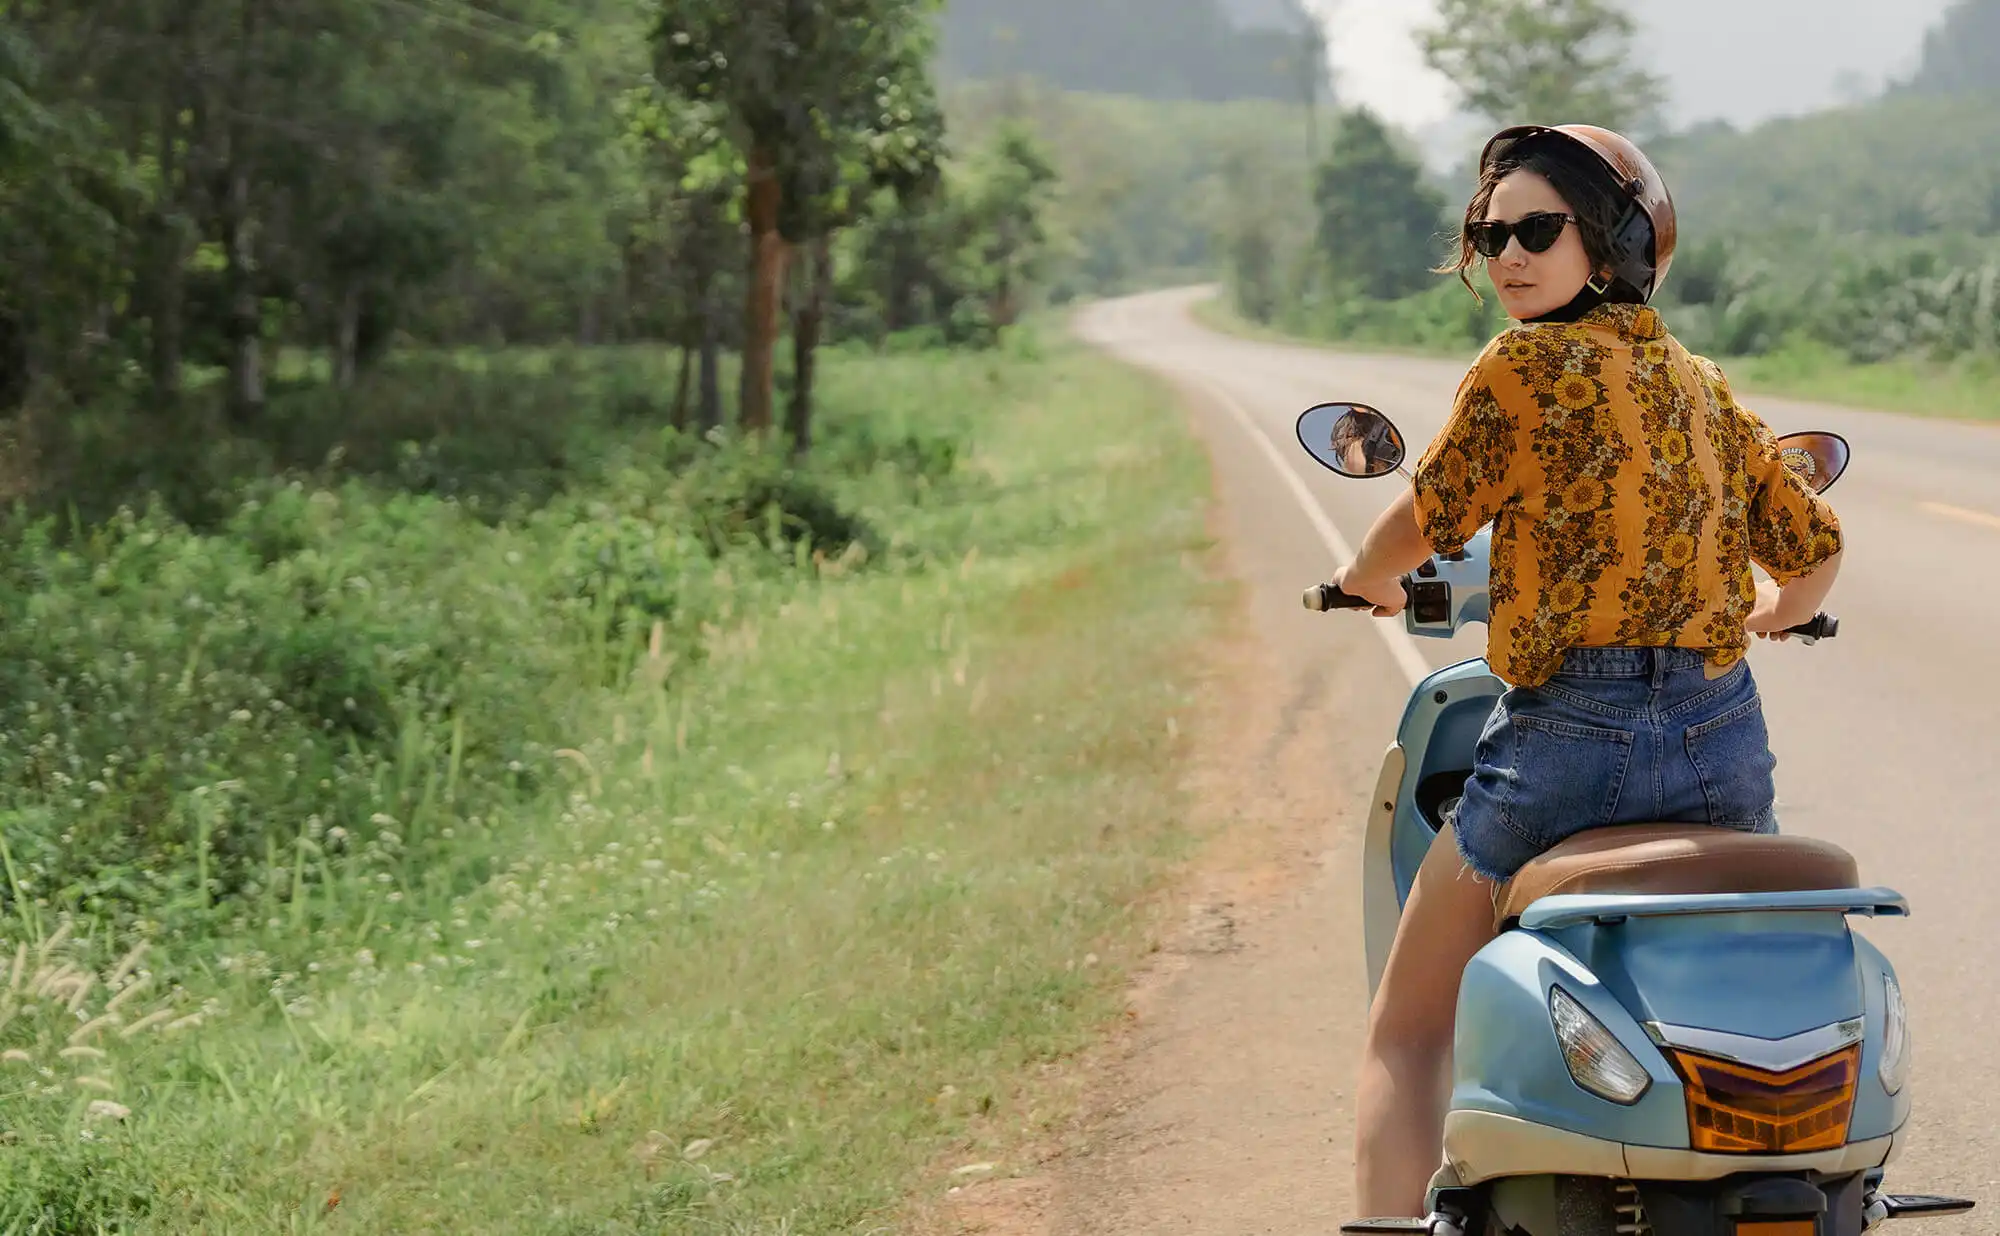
[1780, 608]
[1794, 533]
[1395, 546]
[1460, 484]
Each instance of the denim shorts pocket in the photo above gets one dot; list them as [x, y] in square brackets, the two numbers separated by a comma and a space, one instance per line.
[1567, 778]
[1732, 757]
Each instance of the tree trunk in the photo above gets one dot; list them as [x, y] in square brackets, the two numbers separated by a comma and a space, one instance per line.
[15, 367]
[1005, 310]
[245, 326]
[681, 388]
[902, 278]
[347, 342]
[246, 357]
[711, 364]
[807, 326]
[767, 282]
[169, 255]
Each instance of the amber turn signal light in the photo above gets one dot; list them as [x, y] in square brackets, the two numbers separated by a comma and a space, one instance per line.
[1737, 1109]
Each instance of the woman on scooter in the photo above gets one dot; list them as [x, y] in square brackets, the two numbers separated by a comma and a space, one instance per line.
[1629, 495]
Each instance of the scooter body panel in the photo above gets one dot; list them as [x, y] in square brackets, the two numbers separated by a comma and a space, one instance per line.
[1776, 988]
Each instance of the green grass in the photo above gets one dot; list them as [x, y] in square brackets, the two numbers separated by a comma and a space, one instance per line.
[1964, 389]
[793, 918]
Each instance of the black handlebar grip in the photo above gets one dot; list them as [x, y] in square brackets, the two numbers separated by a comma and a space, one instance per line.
[1823, 626]
[1322, 598]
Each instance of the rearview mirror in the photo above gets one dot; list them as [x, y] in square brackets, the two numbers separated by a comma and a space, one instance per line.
[1818, 458]
[1352, 439]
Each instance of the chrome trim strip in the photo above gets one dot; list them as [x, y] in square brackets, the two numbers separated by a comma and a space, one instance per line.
[1771, 1055]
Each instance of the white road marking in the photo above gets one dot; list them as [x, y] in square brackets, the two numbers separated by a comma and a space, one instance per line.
[1963, 515]
[1401, 646]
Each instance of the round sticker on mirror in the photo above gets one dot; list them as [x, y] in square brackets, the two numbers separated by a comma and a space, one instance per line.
[1801, 461]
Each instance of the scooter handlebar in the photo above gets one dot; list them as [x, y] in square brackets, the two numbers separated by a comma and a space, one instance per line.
[1823, 626]
[1325, 598]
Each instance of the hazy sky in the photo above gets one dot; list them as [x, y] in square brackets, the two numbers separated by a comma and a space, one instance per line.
[1741, 60]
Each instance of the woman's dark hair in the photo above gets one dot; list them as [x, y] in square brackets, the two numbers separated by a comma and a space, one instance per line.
[1582, 181]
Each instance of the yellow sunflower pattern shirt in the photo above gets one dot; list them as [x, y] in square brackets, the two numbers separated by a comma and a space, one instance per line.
[1628, 491]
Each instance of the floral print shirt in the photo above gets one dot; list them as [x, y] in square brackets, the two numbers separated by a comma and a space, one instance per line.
[1628, 492]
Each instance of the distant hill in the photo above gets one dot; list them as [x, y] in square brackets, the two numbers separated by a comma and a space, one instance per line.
[1910, 165]
[1921, 162]
[1198, 50]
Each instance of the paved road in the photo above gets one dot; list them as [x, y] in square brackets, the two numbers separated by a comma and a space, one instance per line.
[1886, 737]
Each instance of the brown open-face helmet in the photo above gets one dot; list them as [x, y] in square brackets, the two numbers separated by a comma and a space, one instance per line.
[1652, 216]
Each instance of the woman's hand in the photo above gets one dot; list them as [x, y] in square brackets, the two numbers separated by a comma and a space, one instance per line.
[1386, 595]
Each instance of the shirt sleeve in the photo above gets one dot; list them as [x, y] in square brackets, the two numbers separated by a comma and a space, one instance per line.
[1792, 530]
[1468, 473]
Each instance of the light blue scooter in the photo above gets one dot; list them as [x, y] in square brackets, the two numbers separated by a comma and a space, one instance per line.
[1675, 1031]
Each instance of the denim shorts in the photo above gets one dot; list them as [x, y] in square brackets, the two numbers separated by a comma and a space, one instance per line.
[1617, 736]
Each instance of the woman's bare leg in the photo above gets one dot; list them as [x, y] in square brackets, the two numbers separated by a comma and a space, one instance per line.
[1406, 1063]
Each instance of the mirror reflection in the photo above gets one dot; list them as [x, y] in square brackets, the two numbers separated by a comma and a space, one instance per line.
[1352, 439]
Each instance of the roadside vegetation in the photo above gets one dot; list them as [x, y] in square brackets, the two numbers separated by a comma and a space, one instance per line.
[557, 619]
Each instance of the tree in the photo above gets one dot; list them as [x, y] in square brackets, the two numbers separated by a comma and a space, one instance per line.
[1378, 217]
[1005, 222]
[64, 202]
[1544, 62]
[785, 74]
[889, 139]
[1959, 52]
[678, 245]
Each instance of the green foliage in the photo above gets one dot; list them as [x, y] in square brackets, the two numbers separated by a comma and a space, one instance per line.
[198, 196]
[1156, 49]
[64, 198]
[819, 86]
[1378, 216]
[1543, 61]
[1443, 318]
[962, 266]
[349, 675]
[1003, 217]
[1871, 302]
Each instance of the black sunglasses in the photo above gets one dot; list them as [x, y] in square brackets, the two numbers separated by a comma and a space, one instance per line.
[1537, 232]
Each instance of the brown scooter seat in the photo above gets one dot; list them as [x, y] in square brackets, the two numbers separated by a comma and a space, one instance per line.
[1642, 859]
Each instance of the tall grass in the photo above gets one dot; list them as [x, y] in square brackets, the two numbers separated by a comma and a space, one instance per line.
[684, 871]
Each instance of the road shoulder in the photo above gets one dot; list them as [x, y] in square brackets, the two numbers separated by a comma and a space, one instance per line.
[1221, 1103]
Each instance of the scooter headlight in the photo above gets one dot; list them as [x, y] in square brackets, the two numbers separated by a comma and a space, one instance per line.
[1895, 1067]
[1597, 1060]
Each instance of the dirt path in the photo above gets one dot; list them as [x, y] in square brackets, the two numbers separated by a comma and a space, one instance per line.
[1224, 1107]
